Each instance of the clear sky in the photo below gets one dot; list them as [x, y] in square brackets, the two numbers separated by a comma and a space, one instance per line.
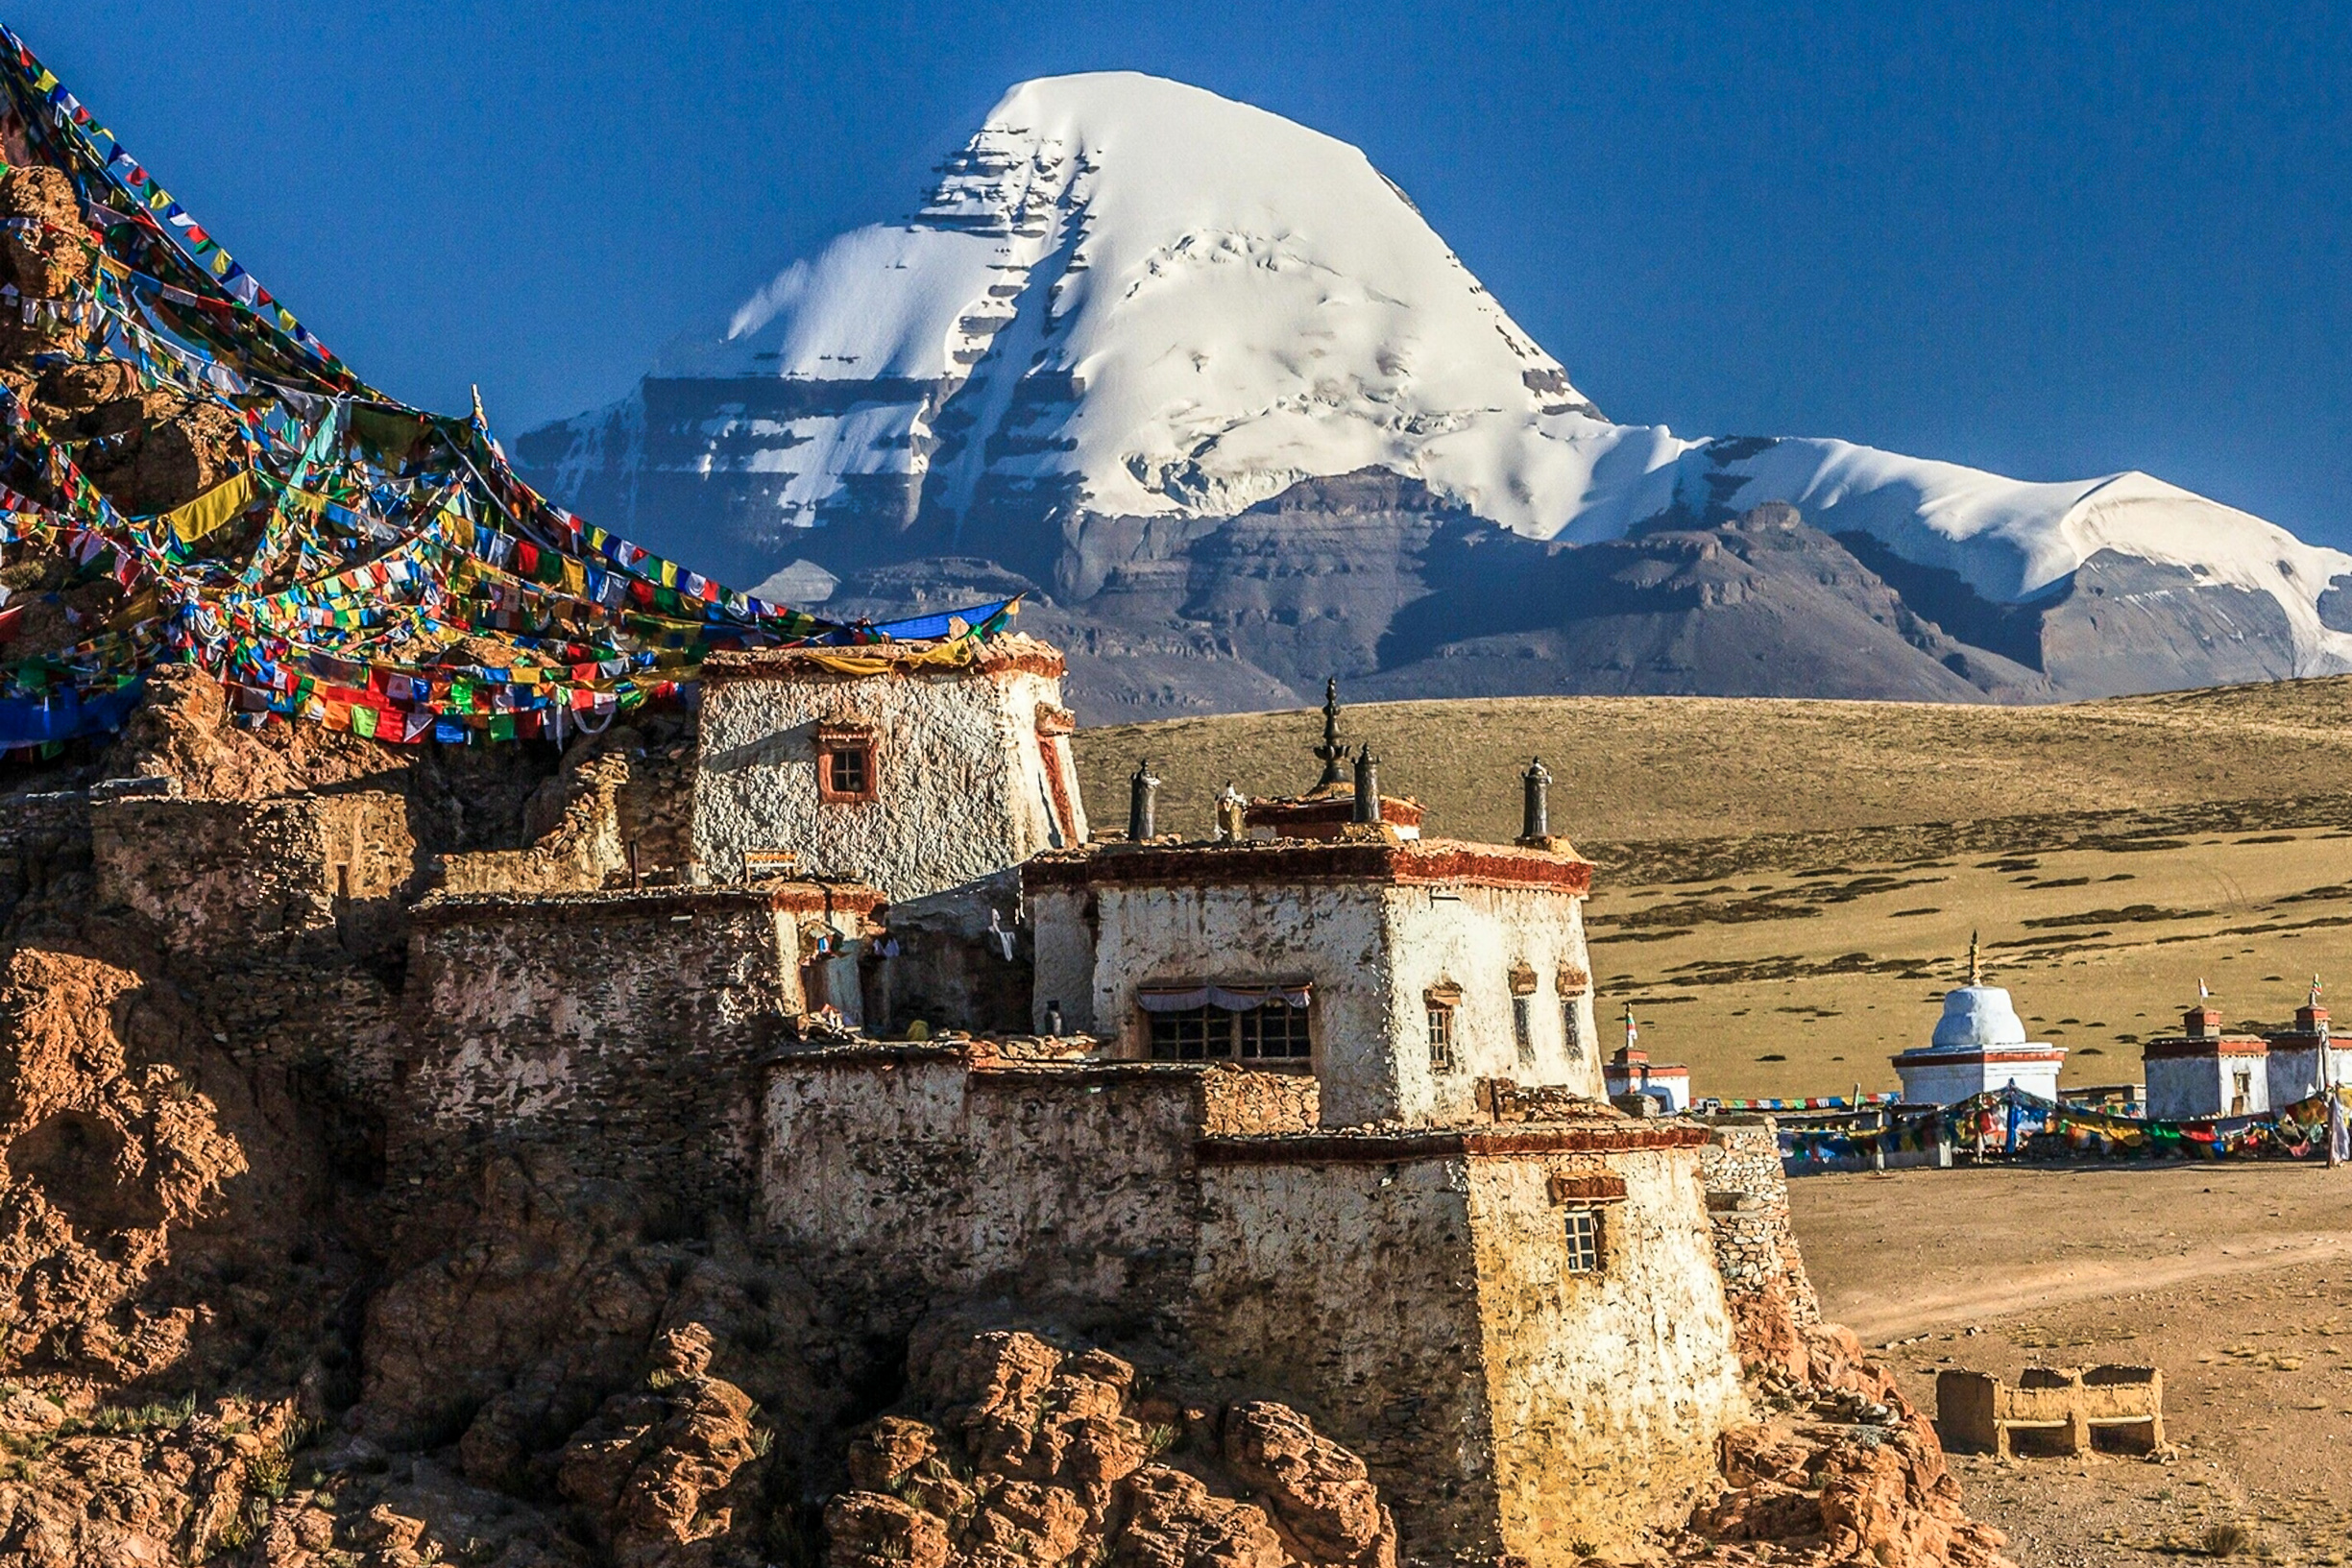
[2048, 238]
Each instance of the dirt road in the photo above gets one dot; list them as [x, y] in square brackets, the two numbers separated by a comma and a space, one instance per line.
[2235, 1280]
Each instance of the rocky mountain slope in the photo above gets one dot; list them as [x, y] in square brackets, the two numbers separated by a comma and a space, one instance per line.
[1208, 383]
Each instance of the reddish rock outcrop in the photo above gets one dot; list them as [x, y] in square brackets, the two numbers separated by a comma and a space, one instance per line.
[652, 1471]
[1853, 1475]
[1032, 1458]
[104, 1158]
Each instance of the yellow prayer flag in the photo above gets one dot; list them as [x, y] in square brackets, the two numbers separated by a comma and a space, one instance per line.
[214, 508]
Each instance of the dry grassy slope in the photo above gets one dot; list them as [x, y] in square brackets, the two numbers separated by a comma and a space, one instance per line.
[1684, 767]
[1785, 885]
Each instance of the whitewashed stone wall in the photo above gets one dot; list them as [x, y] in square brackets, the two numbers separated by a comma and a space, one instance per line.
[1474, 937]
[966, 786]
[1420, 1307]
[1371, 949]
[1583, 1370]
[2184, 1088]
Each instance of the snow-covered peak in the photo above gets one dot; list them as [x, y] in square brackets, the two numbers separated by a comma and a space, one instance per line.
[1243, 301]
[1129, 298]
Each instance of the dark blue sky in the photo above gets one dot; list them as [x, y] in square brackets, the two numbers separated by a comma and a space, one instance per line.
[2051, 239]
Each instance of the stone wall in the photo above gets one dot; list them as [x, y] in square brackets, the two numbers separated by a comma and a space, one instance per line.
[906, 1172]
[965, 782]
[622, 1028]
[582, 852]
[1411, 1290]
[1476, 938]
[223, 876]
[1583, 1370]
[1747, 1208]
[44, 838]
[1348, 1290]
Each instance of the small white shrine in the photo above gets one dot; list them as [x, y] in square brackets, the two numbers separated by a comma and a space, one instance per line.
[1979, 1047]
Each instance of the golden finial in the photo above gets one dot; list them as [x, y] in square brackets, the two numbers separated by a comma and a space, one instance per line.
[1976, 964]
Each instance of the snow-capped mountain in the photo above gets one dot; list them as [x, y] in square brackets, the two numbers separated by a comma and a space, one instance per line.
[1131, 314]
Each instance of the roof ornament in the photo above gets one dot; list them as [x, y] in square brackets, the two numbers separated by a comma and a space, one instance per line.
[1535, 803]
[1331, 753]
[1368, 787]
[1232, 815]
[1976, 962]
[1142, 802]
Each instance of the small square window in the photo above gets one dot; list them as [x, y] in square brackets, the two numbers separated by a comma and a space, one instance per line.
[845, 766]
[1441, 1038]
[1584, 1237]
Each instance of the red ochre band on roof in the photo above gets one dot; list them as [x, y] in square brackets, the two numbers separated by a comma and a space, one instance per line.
[1428, 860]
[1443, 1144]
[2188, 1047]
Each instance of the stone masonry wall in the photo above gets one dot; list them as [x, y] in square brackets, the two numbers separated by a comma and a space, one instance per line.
[902, 1172]
[42, 839]
[960, 773]
[1347, 1290]
[620, 1027]
[1583, 1370]
[222, 876]
[1747, 1210]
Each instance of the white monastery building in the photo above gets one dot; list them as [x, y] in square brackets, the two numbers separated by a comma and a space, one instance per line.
[900, 765]
[2306, 1059]
[2202, 1072]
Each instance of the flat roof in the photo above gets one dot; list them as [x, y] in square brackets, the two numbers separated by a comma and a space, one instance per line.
[443, 909]
[868, 661]
[1414, 862]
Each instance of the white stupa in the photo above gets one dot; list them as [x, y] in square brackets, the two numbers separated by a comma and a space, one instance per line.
[1979, 1045]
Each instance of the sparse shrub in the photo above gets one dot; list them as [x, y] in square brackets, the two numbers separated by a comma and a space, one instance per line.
[661, 1377]
[2226, 1540]
[763, 1439]
[1160, 1437]
[270, 1472]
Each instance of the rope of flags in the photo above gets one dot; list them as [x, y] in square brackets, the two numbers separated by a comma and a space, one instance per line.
[2009, 1118]
[362, 564]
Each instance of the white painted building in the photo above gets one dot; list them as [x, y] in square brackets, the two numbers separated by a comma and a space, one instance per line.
[1628, 1070]
[1979, 1047]
[2305, 1059]
[2202, 1072]
[910, 767]
[1398, 972]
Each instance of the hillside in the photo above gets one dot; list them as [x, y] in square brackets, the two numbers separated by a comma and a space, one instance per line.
[1785, 887]
[1649, 768]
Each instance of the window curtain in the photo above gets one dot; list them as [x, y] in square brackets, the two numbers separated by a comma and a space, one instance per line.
[1233, 998]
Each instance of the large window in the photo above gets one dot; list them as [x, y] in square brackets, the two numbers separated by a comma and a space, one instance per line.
[1227, 1023]
[1523, 1028]
[1572, 1029]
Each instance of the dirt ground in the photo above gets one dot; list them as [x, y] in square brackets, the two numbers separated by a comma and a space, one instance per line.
[2235, 1281]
